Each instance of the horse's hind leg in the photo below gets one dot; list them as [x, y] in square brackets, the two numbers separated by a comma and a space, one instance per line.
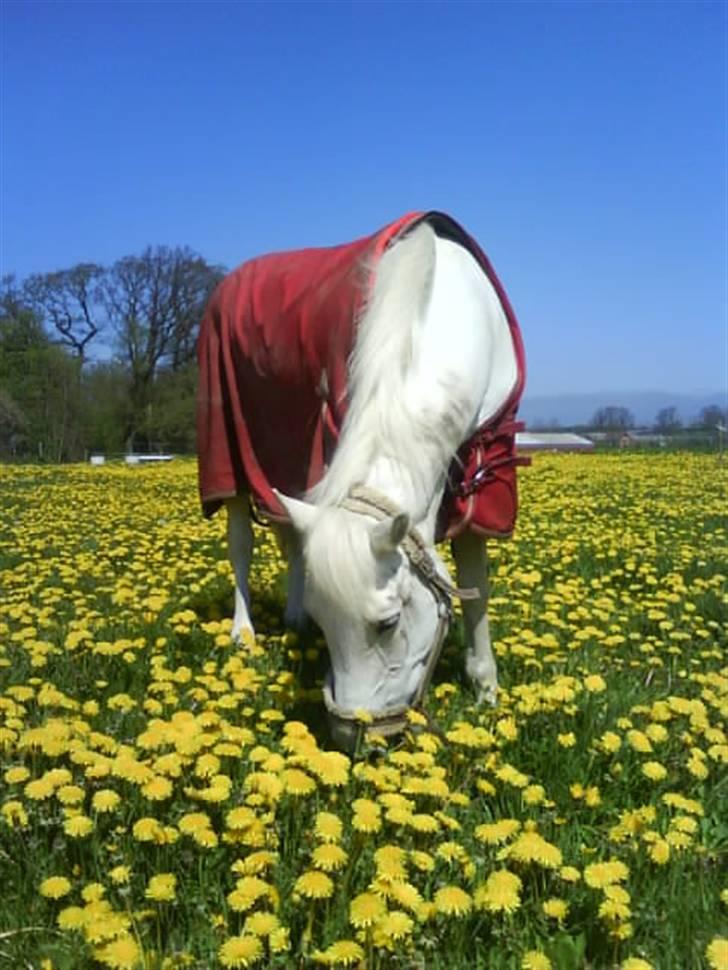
[471, 561]
[290, 543]
[240, 551]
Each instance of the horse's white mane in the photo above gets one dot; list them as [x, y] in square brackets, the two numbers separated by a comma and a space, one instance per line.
[385, 418]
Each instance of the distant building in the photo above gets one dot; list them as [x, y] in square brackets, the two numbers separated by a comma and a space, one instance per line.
[552, 441]
[642, 439]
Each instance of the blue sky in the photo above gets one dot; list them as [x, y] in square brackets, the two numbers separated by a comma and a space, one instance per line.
[582, 143]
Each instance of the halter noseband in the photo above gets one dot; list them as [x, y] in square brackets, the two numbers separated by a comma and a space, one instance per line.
[393, 720]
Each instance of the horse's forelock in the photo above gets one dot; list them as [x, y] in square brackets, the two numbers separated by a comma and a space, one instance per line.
[340, 561]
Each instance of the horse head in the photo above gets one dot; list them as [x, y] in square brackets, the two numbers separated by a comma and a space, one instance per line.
[381, 599]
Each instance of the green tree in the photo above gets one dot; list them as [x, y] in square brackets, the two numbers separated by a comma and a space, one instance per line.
[39, 386]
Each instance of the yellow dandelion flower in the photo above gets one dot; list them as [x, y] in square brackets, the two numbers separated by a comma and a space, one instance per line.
[255, 863]
[55, 887]
[532, 847]
[367, 816]
[635, 963]
[297, 782]
[555, 908]
[495, 833]
[93, 892]
[365, 910]
[328, 857]
[261, 924]
[600, 874]
[614, 910]
[395, 925]
[147, 830]
[639, 741]
[453, 901]
[314, 885]
[566, 740]
[422, 822]
[246, 893]
[421, 860]
[689, 805]
[70, 794]
[569, 874]
[654, 771]
[328, 827]
[659, 852]
[501, 892]
[609, 742]
[343, 953]
[280, 940]
[331, 767]
[14, 814]
[406, 895]
[716, 953]
[236, 819]
[16, 775]
[122, 953]
[120, 875]
[71, 918]
[617, 893]
[162, 888]
[390, 861]
[105, 800]
[78, 827]
[157, 789]
[39, 789]
[512, 776]
[535, 960]
[240, 951]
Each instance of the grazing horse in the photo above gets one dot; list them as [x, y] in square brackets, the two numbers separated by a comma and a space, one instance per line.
[363, 398]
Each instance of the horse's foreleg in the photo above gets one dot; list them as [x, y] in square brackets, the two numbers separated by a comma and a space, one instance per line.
[471, 562]
[290, 544]
[240, 551]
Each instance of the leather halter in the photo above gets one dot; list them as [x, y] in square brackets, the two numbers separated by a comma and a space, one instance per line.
[393, 720]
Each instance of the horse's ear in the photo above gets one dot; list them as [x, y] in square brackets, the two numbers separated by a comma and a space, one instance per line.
[386, 536]
[302, 514]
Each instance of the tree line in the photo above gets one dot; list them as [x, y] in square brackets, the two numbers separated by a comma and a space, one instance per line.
[667, 421]
[96, 358]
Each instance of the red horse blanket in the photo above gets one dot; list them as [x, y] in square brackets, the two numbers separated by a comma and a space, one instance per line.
[273, 352]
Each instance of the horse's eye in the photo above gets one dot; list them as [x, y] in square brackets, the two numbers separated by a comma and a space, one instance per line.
[384, 626]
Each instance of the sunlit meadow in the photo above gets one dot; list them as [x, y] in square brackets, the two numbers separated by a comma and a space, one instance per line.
[170, 800]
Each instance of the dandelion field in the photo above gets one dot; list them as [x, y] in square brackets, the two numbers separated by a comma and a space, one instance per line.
[170, 800]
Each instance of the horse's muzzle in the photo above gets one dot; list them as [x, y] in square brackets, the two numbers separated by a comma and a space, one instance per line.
[349, 728]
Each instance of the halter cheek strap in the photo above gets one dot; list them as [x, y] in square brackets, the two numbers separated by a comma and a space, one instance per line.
[367, 501]
[393, 720]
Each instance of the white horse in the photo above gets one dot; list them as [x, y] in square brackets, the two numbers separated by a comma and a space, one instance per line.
[433, 361]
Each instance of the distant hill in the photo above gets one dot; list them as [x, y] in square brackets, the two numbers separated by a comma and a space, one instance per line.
[576, 409]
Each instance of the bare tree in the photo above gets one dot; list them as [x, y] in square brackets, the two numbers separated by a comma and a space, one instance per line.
[711, 417]
[613, 418]
[154, 303]
[667, 420]
[68, 301]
